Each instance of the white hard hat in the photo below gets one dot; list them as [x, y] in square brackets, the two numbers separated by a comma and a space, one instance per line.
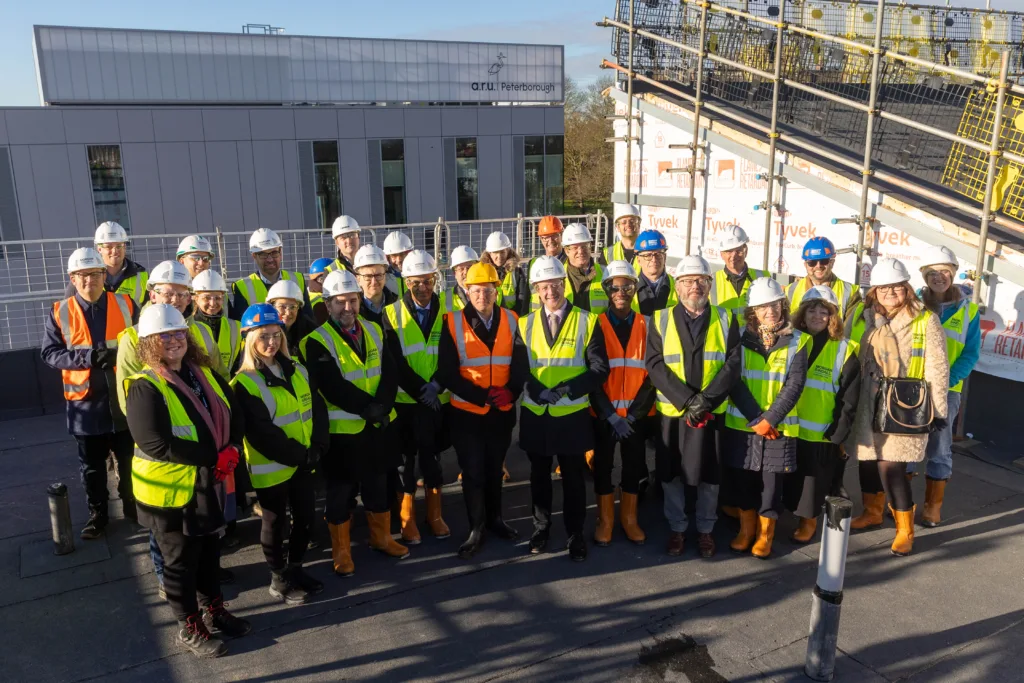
[397, 243]
[627, 210]
[209, 281]
[889, 271]
[576, 233]
[285, 289]
[546, 268]
[264, 239]
[694, 264]
[938, 256]
[110, 232]
[497, 241]
[84, 258]
[820, 293]
[340, 282]
[160, 318]
[169, 273]
[764, 290]
[343, 225]
[463, 254]
[194, 243]
[733, 237]
[369, 255]
[418, 262]
[619, 269]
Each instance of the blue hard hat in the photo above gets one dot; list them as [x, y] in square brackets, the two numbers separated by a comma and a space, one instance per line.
[819, 248]
[260, 315]
[319, 266]
[650, 240]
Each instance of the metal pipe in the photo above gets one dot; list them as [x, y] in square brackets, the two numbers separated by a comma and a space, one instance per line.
[827, 599]
[773, 134]
[697, 104]
[865, 171]
[990, 177]
[629, 107]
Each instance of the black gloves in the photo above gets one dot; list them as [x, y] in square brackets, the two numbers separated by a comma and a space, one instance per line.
[312, 458]
[103, 358]
[697, 407]
[373, 413]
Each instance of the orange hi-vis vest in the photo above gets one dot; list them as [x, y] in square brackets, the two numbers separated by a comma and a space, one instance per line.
[626, 366]
[75, 329]
[482, 366]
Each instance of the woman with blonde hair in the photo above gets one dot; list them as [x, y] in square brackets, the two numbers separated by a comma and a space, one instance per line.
[514, 290]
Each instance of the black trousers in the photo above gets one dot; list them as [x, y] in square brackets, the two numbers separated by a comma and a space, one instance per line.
[761, 491]
[632, 452]
[340, 501]
[421, 432]
[481, 450]
[191, 569]
[297, 492]
[574, 490]
[92, 455]
[819, 473]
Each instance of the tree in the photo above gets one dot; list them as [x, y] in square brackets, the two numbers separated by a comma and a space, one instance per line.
[588, 160]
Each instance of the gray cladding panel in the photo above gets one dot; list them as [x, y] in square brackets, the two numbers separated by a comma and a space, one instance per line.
[352, 123]
[518, 178]
[292, 188]
[247, 183]
[81, 184]
[489, 176]
[355, 181]
[176, 188]
[201, 186]
[270, 184]
[527, 120]
[21, 162]
[422, 122]
[91, 126]
[136, 125]
[3, 128]
[385, 123]
[432, 180]
[55, 193]
[554, 121]
[178, 125]
[316, 124]
[459, 121]
[35, 126]
[307, 182]
[225, 190]
[451, 188]
[494, 121]
[226, 124]
[413, 181]
[10, 224]
[142, 184]
[376, 184]
[272, 124]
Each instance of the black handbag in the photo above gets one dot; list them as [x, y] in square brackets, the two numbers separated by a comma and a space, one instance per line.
[903, 406]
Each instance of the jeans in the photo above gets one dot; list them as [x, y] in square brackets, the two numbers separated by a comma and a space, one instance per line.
[675, 506]
[157, 557]
[939, 454]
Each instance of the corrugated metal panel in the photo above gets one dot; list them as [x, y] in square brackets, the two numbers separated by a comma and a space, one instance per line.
[78, 65]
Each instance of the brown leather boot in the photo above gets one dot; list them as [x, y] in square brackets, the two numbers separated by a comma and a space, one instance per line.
[410, 532]
[731, 511]
[341, 549]
[748, 529]
[904, 541]
[934, 493]
[605, 519]
[872, 515]
[805, 532]
[627, 517]
[765, 535]
[434, 521]
[380, 535]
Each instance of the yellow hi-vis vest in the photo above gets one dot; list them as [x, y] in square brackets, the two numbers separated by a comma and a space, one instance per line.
[918, 333]
[223, 350]
[134, 286]
[765, 379]
[598, 297]
[254, 290]
[817, 403]
[723, 294]
[293, 415]
[554, 365]
[617, 252]
[844, 292]
[420, 353]
[364, 374]
[672, 350]
[507, 290]
[956, 333]
[452, 295]
[855, 324]
[159, 483]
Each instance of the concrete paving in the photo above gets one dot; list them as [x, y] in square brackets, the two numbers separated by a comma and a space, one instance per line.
[952, 611]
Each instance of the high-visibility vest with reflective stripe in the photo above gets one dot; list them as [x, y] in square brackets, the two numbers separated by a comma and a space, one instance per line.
[713, 358]
[956, 333]
[554, 365]
[617, 252]
[918, 334]
[134, 286]
[507, 290]
[457, 304]
[420, 353]
[314, 297]
[817, 403]
[765, 379]
[480, 365]
[724, 294]
[159, 483]
[337, 264]
[75, 330]
[796, 290]
[254, 290]
[671, 301]
[598, 299]
[855, 324]
[292, 414]
[364, 374]
[223, 350]
[626, 365]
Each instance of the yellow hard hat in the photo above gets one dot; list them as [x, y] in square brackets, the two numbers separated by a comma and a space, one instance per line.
[481, 274]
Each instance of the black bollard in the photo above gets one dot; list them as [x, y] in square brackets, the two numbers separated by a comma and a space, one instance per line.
[60, 519]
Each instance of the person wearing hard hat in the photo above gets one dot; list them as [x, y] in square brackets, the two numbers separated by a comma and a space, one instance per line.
[473, 362]
[761, 425]
[352, 369]
[627, 227]
[656, 289]
[622, 406]
[693, 363]
[583, 274]
[267, 252]
[462, 259]
[412, 328]
[124, 276]
[733, 281]
[346, 236]
[819, 257]
[286, 434]
[826, 410]
[371, 269]
[286, 298]
[318, 270]
[397, 245]
[195, 253]
[80, 339]
[559, 354]
[899, 338]
[188, 429]
[514, 291]
[219, 336]
[549, 231]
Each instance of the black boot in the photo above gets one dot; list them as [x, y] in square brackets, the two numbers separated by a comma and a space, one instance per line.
[539, 541]
[499, 529]
[472, 544]
[219, 620]
[225, 575]
[577, 548]
[283, 588]
[195, 636]
[93, 529]
[303, 580]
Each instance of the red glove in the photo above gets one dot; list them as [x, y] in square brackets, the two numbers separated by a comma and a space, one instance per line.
[764, 429]
[500, 397]
[227, 461]
[701, 423]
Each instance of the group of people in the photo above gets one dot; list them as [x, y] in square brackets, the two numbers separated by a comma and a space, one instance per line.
[361, 371]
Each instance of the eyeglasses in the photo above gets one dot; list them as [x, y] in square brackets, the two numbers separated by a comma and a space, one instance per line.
[429, 282]
[551, 239]
[112, 246]
[286, 308]
[890, 289]
[814, 263]
[199, 258]
[651, 255]
[210, 297]
[269, 337]
[486, 290]
[171, 294]
[624, 289]
[378, 277]
[94, 275]
[268, 255]
[177, 335]
[691, 282]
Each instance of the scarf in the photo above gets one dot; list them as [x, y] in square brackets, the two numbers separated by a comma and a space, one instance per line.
[769, 334]
[217, 418]
[883, 344]
[580, 277]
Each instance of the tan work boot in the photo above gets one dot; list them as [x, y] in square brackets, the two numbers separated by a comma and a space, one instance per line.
[748, 529]
[872, 515]
[934, 493]
[627, 517]
[341, 549]
[380, 535]
[805, 532]
[605, 519]
[765, 535]
[904, 541]
[410, 533]
[434, 521]
[589, 455]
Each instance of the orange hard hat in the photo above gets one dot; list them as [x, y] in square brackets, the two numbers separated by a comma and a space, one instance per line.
[549, 225]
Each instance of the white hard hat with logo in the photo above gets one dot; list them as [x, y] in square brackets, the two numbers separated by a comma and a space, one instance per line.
[576, 233]
[340, 282]
[264, 239]
[733, 237]
[546, 268]
[209, 281]
[169, 273]
[938, 256]
[285, 289]
[889, 271]
[110, 232]
[160, 318]
[627, 211]
[497, 241]
[194, 243]
[764, 290]
[463, 254]
[397, 243]
[417, 263]
[369, 255]
[619, 269]
[343, 225]
[84, 258]
[693, 264]
[820, 293]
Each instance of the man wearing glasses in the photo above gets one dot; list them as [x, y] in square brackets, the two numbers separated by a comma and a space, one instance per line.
[195, 253]
[732, 282]
[583, 273]
[627, 225]
[268, 254]
[123, 275]
[345, 233]
[371, 268]
[656, 289]
[819, 257]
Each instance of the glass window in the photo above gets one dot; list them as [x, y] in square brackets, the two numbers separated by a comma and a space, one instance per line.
[465, 177]
[327, 179]
[533, 148]
[553, 183]
[108, 195]
[392, 162]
